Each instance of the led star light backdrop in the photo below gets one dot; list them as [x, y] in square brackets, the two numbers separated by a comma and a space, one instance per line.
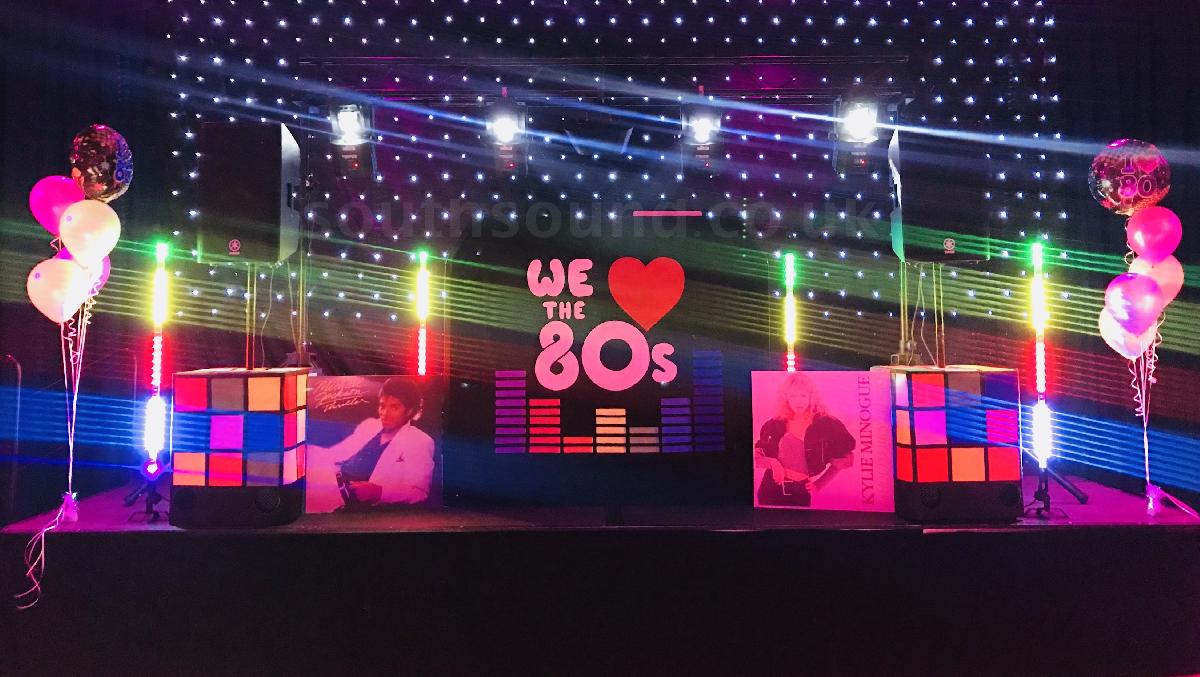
[596, 138]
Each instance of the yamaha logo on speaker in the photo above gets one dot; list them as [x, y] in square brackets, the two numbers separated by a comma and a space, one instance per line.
[235, 247]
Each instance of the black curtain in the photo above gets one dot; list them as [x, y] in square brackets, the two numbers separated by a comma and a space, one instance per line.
[65, 64]
[1131, 69]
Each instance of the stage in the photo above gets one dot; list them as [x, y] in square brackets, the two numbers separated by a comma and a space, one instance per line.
[630, 591]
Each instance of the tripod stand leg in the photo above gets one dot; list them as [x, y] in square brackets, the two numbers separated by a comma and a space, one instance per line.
[1069, 486]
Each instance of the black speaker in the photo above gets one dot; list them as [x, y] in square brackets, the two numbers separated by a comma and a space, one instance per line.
[248, 183]
[941, 210]
[266, 506]
[955, 502]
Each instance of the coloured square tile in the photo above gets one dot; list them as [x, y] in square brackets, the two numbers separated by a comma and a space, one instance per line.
[289, 466]
[301, 426]
[190, 394]
[1001, 389]
[190, 432]
[289, 430]
[966, 464]
[929, 427]
[1002, 426]
[928, 389]
[264, 468]
[290, 394]
[263, 432]
[966, 426]
[302, 390]
[263, 393]
[229, 394]
[301, 460]
[224, 469]
[1004, 464]
[188, 469]
[904, 464]
[932, 465]
[225, 432]
[903, 427]
[964, 389]
[900, 389]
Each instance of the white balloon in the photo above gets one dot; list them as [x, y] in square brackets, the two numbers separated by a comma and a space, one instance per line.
[89, 230]
[1168, 273]
[1125, 344]
[57, 288]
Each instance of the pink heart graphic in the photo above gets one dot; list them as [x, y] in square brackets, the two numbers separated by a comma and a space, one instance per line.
[646, 292]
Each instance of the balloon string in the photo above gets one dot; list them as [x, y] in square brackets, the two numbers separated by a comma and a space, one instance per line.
[35, 561]
[72, 337]
[1178, 503]
[67, 331]
[1143, 378]
[1142, 372]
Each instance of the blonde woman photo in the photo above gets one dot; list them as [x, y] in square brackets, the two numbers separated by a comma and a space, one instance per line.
[802, 448]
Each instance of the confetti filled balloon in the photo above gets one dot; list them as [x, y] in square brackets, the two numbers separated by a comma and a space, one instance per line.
[101, 162]
[1129, 175]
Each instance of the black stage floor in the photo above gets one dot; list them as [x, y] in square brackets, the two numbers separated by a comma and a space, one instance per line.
[593, 591]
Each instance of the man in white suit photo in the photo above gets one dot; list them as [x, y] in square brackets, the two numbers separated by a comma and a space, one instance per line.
[386, 460]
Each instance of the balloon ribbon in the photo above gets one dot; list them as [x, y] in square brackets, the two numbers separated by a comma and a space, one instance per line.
[72, 337]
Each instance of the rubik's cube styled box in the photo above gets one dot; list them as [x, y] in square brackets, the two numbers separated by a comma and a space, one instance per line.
[957, 440]
[238, 447]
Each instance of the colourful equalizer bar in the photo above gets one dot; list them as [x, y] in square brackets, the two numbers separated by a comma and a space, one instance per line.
[611, 431]
[533, 425]
[545, 426]
[708, 400]
[512, 413]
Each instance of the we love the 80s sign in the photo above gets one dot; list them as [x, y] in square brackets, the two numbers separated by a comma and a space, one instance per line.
[646, 292]
[624, 371]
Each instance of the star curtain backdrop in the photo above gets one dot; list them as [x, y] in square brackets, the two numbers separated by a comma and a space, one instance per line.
[987, 67]
[983, 68]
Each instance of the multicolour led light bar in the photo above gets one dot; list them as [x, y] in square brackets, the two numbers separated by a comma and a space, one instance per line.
[1040, 317]
[155, 427]
[789, 308]
[422, 306]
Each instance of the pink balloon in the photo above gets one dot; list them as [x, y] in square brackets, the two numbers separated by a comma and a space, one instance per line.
[1127, 345]
[50, 197]
[1168, 274]
[100, 278]
[1153, 233]
[1134, 301]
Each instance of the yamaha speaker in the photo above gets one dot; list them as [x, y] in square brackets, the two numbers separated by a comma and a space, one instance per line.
[940, 213]
[248, 183]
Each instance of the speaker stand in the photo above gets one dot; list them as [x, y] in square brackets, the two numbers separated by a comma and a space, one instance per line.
[148, 491]
[1041, 495]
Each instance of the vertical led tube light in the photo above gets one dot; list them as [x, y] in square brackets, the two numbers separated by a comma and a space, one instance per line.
[155, 426]
[789, 308]
[1040, 317]
[422, 306]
